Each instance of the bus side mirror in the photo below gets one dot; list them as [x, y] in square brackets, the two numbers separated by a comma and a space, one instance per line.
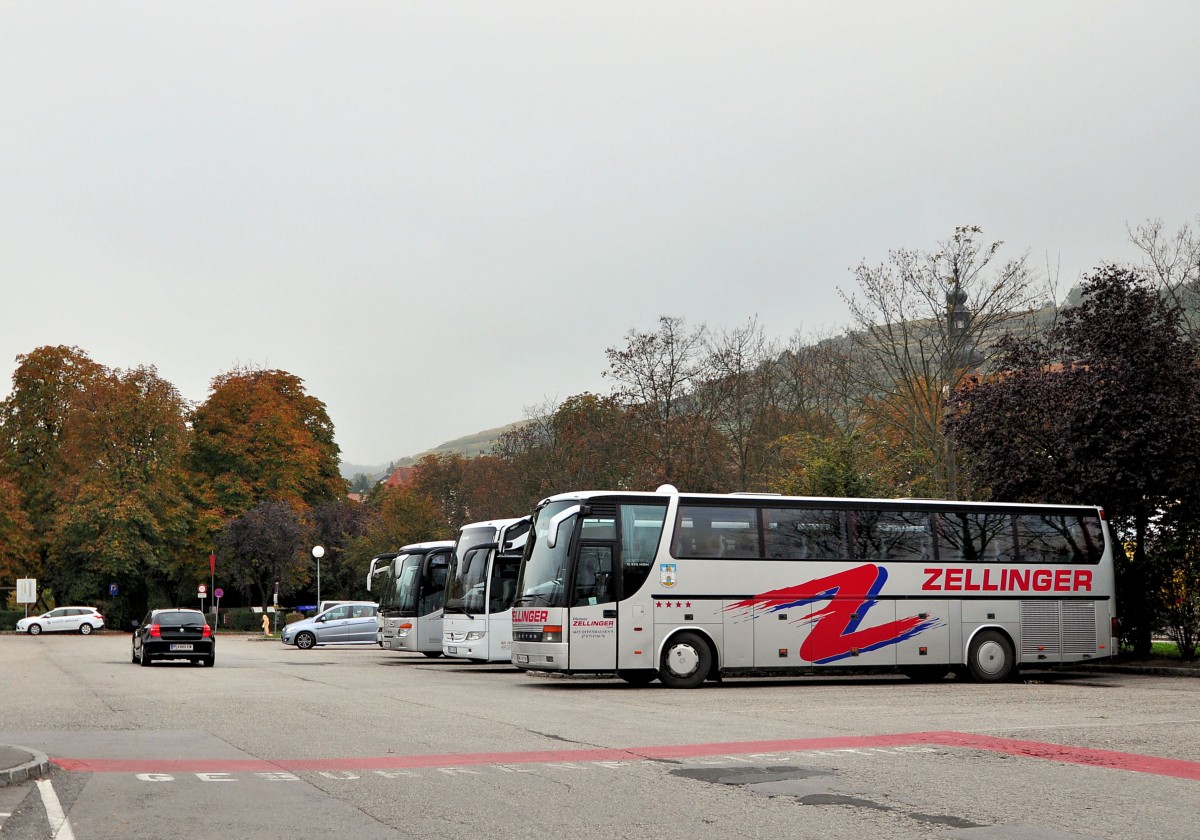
[557, 520]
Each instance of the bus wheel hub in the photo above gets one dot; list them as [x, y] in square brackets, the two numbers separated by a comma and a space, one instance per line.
[683, 660]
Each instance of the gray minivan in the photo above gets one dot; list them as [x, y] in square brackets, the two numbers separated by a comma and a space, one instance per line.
[348, 623]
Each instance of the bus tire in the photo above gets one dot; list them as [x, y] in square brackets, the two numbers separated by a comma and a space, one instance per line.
[639, 676]
[991, 657]
[432, 654]
[686, 661]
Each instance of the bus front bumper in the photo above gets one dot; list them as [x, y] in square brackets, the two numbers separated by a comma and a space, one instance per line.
[540, 656]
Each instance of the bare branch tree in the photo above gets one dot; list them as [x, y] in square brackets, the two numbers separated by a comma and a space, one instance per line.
[923, 321]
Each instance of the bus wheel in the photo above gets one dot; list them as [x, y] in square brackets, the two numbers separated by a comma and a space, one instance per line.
[686, 661]
[640, 676]
[990, 658]
[432, 654]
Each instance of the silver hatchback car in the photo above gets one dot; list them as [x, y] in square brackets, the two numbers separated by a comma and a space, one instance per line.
[349, 623]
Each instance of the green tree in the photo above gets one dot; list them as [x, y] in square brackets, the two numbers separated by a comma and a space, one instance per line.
[266, 545]
[335, 526]
[1103, 410]
[401, 515]
[259, 436]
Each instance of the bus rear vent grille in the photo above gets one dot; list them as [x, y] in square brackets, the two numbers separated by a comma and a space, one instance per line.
[1050, 629]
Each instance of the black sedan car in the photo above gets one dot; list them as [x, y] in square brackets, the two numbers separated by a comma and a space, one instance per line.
[174, 634]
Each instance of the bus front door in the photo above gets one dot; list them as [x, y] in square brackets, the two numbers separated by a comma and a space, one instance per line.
[592, 634]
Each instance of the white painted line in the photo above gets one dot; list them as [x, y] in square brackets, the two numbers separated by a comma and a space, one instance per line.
[60, 827]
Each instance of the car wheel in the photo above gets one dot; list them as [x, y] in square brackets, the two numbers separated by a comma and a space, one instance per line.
[35, 629]
[132, 655]
[990, 658]
[686, 661]
[208, 661]
[144, 658]
[86, 629]
[305, 640]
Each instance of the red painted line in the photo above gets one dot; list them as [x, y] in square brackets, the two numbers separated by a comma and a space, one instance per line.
[1133, 762]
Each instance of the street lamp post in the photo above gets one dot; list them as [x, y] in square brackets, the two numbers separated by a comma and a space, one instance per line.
[318, 552]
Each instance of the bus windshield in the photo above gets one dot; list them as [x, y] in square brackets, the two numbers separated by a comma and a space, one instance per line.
[544, 567]
[465, 588]
[399, 594]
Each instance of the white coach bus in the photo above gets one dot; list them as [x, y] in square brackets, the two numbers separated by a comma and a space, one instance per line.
[685, 587]
[477, 620]
[411, 585]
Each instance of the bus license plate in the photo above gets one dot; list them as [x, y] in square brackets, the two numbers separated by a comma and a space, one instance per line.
[523, 658]
[451, 649]
[181, 647]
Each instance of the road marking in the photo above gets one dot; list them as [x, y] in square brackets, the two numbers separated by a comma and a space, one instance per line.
[1111, 759]
[60, 826]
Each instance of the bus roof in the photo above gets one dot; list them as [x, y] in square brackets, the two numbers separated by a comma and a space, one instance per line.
[668, 491]
[426, 547]
[494, 524]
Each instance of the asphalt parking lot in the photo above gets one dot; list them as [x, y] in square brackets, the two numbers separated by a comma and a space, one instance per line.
[371, 744]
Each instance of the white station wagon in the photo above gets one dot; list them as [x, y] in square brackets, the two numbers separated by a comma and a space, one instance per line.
[62, 620]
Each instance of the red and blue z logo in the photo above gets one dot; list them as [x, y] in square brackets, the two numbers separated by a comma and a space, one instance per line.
[836, 632]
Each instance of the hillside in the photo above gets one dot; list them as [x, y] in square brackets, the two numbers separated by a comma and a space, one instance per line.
[479, 443]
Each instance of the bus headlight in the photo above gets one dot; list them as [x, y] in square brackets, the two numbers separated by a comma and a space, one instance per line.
[403, 630]
[552, 633]
[475, 635]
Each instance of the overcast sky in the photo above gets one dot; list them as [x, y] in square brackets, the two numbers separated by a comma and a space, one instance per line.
[440, 213]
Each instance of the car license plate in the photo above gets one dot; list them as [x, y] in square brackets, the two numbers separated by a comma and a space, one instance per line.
[451, 649]
[181, 647]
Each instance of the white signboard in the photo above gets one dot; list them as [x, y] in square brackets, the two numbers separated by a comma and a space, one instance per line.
[26, 590]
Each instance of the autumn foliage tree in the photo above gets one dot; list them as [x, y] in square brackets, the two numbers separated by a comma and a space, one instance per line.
[46, 387]
[126, 517]
[260, 436]
[1103, 410]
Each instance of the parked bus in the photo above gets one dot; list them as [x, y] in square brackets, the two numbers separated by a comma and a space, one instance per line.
[411, 585]
[687, 587]
[477, 621]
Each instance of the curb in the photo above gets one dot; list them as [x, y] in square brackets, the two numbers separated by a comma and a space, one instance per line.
[1150, 670]
[35, 765]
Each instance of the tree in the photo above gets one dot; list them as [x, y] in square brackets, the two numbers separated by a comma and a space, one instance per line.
[655, 375]
[401, 515]
[259, 436]
[335, 526]
[264, 546]
[45, 387]
[18, 550]
[834, 465]
[125, 516]
[1104, 410]
[922, 321]
[1173, 260]
[743, 395]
